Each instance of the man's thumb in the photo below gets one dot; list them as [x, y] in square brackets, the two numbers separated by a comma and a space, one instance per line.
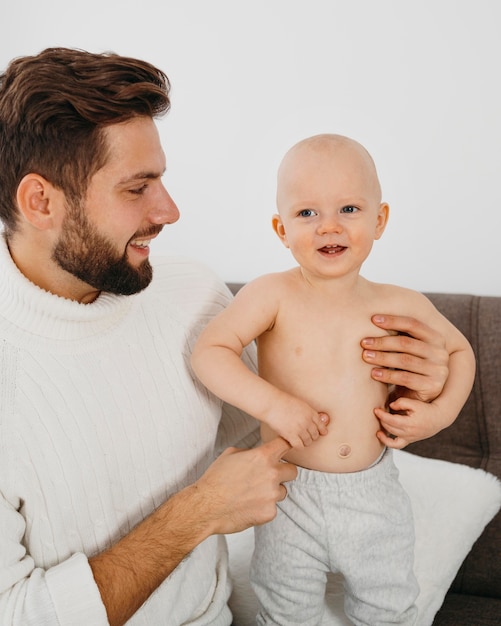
[277, 447]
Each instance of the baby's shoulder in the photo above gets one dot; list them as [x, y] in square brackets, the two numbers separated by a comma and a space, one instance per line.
[274, 283]
[402, 300]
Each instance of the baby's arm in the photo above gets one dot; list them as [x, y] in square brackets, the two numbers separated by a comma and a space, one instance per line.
[412, 420]
[216, 360]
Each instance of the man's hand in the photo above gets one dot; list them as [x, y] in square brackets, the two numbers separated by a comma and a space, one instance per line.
[242, 487]
[416, 362]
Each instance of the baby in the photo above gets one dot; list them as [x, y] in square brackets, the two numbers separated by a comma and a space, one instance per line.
[346, 511]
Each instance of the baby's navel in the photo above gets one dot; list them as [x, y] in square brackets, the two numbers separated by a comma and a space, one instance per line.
[344, 451]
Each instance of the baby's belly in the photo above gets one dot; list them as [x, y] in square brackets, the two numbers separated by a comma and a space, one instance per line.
[350, 445]
[348, 395]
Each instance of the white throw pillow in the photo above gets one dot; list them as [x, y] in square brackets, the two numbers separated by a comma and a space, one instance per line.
[452, 504]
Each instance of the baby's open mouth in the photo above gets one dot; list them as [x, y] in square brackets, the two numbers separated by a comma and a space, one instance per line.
[331, 249]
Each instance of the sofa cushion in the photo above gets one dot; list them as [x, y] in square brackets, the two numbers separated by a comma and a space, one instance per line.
[475, 437]
[463, 609]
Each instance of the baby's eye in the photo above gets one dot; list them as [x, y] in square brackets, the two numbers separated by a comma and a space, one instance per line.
[349, 209]
[307, 213]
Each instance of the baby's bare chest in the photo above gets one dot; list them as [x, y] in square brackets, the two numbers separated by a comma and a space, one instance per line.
[317, 345]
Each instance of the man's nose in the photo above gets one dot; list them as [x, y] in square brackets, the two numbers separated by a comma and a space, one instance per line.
[165, 210]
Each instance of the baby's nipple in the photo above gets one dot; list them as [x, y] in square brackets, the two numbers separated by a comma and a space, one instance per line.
[344, 451]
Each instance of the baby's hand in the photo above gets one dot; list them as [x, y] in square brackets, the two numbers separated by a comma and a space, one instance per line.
[297, 422]
[411, 421]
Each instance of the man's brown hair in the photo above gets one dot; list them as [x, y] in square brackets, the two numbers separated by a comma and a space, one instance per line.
[53, 109]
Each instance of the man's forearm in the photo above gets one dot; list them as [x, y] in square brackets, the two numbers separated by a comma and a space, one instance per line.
[239, 489]
[130, 571]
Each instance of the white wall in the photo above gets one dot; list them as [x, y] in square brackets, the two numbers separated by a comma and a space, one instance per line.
[415, 82]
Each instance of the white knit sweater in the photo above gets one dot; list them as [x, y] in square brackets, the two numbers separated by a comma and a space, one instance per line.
[101, 421]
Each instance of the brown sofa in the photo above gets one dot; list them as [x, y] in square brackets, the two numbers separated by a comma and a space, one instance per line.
[474, 439]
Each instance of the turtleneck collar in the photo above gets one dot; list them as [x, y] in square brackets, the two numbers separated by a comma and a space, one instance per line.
[38, 313]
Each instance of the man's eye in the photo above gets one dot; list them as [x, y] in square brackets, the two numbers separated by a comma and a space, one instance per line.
[306, 213]
[138, 190]
[349, 209]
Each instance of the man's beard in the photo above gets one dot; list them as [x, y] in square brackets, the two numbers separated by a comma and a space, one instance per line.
[92, 258]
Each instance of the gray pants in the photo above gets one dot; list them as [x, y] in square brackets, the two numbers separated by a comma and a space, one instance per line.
[359, 524]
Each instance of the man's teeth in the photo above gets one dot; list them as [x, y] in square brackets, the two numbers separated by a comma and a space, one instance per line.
[141, 244]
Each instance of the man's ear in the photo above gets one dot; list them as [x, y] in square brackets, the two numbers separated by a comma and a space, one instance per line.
[382, 219]
[37, 201]
[279, 228]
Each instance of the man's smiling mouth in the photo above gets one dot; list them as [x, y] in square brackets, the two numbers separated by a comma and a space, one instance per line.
[144, 239]
[140, 244]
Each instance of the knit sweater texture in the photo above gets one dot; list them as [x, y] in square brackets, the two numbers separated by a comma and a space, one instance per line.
[101, 420]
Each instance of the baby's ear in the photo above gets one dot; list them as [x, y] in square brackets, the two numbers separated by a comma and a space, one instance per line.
[382, 219]
[279, 228]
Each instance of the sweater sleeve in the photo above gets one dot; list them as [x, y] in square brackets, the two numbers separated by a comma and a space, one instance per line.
[64, 595]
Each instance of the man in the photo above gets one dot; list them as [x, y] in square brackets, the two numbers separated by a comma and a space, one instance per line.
[112, 506]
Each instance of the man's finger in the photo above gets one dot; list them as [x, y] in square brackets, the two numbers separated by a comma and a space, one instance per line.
[397, 443]
[399, 377]
[277, 447]
[404, 324]
[393, 343]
